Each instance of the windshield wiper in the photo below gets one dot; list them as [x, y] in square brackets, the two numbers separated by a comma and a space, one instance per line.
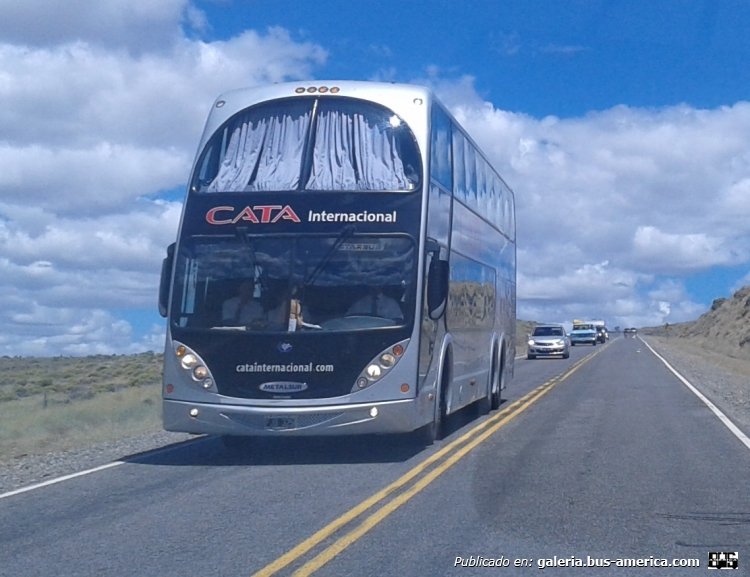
[347, 232]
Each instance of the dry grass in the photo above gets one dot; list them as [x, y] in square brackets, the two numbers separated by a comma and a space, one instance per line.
[49, 404]
[27, 426]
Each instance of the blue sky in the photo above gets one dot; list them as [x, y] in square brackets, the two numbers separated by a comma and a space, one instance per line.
[536, 57]
[623, 127]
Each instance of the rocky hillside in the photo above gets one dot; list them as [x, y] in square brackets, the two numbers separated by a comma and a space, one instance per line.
[724, 329]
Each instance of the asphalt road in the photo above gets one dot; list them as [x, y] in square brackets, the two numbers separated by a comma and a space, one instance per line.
[602, 457]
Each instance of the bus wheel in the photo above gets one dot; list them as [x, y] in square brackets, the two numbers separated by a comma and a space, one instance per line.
[435, 430]
[497, 396]
[485, 404]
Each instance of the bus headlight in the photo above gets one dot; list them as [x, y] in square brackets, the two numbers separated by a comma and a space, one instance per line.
[194, 367]
[380, 366]
[374, 372]
[188, 361]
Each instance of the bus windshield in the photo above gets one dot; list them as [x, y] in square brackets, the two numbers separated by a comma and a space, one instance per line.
[310, 144]
[325, 283]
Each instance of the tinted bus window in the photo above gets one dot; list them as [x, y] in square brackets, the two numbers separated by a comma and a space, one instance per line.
[440, 153]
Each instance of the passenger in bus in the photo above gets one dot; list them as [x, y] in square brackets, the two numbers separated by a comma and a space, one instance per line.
[377, 304]
[245, 309]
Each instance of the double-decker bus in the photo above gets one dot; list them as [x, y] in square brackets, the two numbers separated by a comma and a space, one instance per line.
[345, 264]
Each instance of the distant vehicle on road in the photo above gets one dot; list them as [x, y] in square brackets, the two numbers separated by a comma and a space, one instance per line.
[583, 333]
[602, 334]
[548, 340]
[630, 332]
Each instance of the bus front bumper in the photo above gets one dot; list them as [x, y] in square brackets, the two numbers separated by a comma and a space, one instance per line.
[353, 419]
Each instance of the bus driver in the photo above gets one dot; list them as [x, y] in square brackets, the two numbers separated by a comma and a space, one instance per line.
[245, 309]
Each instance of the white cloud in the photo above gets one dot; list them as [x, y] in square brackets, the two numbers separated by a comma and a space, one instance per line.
[671, 253]
[650, 192]
[42, 331]
[103, 104]
[135, 24]
[84, 181]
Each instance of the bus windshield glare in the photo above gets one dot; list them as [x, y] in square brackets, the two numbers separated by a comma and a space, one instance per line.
[325, 283]
[310, 144]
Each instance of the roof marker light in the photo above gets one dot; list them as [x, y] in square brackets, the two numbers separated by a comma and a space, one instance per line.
[318, 89]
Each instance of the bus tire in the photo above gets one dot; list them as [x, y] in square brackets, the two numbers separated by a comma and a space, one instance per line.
[497, 396]
[435, 430]
[484, 405]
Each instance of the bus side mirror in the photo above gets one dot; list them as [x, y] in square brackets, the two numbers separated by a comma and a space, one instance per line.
[166, 277]
[437, 288]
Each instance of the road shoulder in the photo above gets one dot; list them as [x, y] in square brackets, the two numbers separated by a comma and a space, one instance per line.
[724, 380]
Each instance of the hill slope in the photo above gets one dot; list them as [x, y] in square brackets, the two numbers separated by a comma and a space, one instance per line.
[724, 329]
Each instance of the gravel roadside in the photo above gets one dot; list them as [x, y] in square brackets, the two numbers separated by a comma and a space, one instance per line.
[724, 380]
[28, 470]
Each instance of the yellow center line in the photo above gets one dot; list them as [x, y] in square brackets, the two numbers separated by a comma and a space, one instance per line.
[490, 426]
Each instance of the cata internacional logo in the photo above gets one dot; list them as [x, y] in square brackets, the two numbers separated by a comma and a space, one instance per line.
[257, 214]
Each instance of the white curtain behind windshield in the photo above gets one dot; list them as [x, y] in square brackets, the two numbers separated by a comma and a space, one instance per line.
[264, 153]
[355, 150]
[356, 146]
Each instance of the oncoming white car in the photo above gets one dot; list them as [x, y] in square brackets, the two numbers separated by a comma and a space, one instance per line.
[548, 340]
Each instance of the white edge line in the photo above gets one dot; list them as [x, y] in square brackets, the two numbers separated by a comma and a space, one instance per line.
[744, 439]
[61, 479]
[97, 469]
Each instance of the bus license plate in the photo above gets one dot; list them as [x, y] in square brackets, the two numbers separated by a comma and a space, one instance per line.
[281, 423]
